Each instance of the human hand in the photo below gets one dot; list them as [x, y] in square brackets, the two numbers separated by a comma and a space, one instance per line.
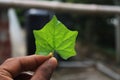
[43, 66]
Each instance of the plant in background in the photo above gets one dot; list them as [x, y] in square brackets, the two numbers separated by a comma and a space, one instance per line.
[55, 37]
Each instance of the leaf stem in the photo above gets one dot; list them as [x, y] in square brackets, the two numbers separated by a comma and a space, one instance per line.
[51, 54]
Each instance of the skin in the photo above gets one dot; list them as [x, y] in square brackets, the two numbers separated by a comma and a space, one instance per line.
[13, 68]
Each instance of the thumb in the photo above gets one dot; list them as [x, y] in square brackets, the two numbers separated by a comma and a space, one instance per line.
[45, 70]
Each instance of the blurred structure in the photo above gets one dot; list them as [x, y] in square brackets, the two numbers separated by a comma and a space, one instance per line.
[16, 35]
[5, 46]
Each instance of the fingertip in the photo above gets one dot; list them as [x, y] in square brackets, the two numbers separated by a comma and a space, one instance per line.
[53, 61]
[45, 71]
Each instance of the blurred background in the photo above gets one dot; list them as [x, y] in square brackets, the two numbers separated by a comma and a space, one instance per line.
[97, 44]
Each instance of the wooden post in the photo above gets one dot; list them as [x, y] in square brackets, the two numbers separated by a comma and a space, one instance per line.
[62, 7]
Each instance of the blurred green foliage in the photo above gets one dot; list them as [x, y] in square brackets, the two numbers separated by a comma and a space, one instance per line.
[20, 13]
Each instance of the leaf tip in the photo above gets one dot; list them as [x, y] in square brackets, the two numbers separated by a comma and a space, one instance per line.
[54, 18]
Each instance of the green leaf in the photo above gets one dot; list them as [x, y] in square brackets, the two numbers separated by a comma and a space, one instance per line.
[55, 37]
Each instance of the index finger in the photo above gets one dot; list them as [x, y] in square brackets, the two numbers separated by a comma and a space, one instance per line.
[14, 66]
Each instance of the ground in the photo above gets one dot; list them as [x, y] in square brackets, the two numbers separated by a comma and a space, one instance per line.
[79, 74]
